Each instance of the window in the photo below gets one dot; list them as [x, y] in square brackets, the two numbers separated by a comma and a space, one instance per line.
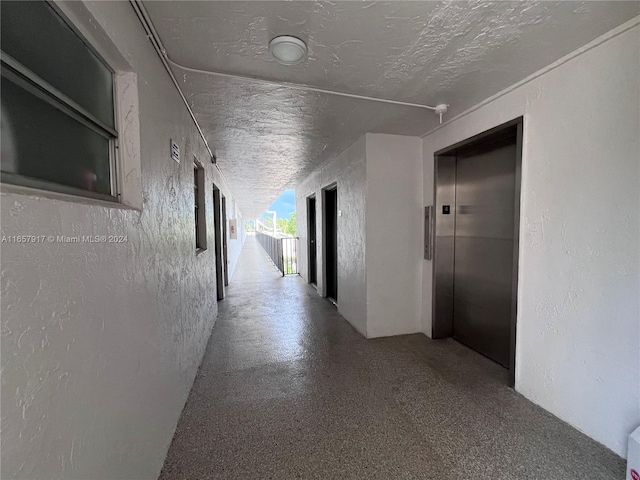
[198, 203]
[58, 122]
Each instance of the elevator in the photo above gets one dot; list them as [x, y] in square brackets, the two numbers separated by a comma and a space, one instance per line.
[477, 211]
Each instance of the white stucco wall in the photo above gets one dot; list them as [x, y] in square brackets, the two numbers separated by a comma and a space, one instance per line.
[234, 247]
[578, 326]
[348, 172]
[101, 342]
[379, 181]
[394, 234]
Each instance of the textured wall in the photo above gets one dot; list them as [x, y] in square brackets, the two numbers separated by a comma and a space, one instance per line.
[234, 247]
[425, 52]
[379, 196]
[578, 312]
[394, 234]
[101, 342]
[348, 171]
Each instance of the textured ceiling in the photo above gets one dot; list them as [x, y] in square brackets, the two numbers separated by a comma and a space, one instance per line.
[268, 137]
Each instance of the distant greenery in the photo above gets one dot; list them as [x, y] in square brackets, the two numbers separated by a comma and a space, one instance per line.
[288, 226]
[290, 267]
[284, 226]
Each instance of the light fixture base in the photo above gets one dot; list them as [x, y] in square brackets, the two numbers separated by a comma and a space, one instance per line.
[441, 109]
[288, 50]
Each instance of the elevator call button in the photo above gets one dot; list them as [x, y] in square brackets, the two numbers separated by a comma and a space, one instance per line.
[446, 209]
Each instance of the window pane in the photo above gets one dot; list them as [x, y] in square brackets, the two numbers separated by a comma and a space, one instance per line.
[35, 35]
[40, 141]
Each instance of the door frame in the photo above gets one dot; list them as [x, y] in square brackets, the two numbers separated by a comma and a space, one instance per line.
[217, 207]
[442, 324]
[225, 253]
[311, 198]
[329, 188]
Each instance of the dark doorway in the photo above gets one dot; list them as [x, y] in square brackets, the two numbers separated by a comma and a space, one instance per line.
[218, 240]
[331, 242]
[311, 230]
[225, 258]
[476, 252]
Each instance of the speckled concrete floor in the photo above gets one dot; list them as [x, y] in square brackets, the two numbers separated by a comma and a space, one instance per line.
[288, 389]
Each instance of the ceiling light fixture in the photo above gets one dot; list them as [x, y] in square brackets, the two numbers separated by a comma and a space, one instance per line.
[288, 50]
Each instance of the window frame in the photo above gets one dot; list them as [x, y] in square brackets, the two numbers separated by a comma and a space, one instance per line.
[35, 85]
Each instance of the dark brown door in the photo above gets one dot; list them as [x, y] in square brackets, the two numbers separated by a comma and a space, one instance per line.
[218, 240]
[225, 259]
[331, 242]
[311, 228]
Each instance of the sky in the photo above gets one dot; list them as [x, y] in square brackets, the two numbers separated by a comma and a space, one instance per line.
[285, 204]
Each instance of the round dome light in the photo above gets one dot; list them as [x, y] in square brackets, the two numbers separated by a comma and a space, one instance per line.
[288, 50]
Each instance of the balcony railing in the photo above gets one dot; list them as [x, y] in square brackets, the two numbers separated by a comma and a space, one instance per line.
[283, 252]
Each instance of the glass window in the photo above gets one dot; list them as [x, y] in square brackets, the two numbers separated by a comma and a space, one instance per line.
[57, 105]
[34, 35]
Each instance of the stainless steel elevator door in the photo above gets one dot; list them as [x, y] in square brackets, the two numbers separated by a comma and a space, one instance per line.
[483, 249]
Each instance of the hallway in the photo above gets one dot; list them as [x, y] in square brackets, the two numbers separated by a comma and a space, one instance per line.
[287, 389]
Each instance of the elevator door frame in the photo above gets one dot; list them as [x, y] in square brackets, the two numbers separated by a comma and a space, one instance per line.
[443, 254]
